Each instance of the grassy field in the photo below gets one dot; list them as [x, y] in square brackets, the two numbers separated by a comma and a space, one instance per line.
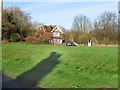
[62, 66]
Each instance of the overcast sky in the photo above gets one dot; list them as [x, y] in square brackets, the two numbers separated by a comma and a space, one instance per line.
[62, 13]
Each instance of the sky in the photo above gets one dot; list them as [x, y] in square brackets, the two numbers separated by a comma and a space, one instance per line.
[63, 13]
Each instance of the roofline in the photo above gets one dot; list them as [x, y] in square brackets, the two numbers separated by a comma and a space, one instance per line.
[40, 26]
[57, 27]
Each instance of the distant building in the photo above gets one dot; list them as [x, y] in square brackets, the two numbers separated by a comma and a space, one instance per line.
[54, 33]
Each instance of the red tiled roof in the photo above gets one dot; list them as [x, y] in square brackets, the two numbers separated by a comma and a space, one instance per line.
[48, 28]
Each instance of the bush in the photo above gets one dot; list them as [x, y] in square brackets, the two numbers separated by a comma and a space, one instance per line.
[30, 39]
[35, 40]
[106, 41]
[14, 37]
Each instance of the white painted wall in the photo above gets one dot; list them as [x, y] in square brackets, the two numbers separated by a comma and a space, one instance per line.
[89, 43]
[60, 40]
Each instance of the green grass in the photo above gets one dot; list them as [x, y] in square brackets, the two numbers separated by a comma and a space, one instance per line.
[85, 67]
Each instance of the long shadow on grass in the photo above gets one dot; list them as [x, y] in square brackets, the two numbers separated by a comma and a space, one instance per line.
[30, 78]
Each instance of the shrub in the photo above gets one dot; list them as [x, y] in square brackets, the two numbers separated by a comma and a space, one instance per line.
[35, 40]
[106, 41]
[14, 37]
[30, 39]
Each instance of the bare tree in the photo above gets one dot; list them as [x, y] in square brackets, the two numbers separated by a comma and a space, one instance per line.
[67, 35]
[81, 22]
[108, 24]
[105, 28]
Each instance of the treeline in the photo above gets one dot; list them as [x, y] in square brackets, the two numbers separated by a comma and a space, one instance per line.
[17, 26]
[103, 30]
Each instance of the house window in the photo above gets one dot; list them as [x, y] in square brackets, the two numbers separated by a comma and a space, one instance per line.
[56, 40]
[56, 33]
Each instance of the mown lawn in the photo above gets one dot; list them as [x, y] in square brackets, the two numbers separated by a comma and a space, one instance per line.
[62, 66]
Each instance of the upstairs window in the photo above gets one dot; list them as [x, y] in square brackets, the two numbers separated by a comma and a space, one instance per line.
[56, 33]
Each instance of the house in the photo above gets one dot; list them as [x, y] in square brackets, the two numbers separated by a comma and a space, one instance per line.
[53, 32]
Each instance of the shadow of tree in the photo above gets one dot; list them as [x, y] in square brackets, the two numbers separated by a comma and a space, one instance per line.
[29, 79]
